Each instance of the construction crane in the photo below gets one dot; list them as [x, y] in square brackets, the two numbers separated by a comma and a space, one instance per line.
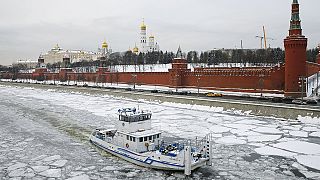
[264, 37]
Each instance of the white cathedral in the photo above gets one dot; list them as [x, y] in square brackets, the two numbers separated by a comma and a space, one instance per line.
[144, 45]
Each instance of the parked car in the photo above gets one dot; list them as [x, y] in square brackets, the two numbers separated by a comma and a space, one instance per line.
[298, 101]
[154, 91]
[169, 92]
[276, 100]
[128, 89]
[210, 94]
[311, 101]
[85, 85]
[184, 92]
[288, 100]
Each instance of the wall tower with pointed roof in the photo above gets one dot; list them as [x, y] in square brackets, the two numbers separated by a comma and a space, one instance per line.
[295, 56]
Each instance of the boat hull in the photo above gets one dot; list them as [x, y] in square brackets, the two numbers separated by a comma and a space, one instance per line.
[143, 160]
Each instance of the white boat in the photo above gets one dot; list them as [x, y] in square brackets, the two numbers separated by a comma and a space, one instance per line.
[135, 141]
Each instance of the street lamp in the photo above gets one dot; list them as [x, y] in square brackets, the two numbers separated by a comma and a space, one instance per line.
[134, 77]
[301, 82]
[198, 82]
[261, 83]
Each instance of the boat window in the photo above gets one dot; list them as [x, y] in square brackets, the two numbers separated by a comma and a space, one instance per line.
[150, 137]
[130, 138]
[158, 135]
[127, 137]
[145, 138]
[134, 139]
[141, 139]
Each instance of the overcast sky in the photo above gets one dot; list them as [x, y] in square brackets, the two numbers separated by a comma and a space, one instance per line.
[29, 27]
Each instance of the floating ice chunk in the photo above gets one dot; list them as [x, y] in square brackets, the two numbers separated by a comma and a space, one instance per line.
[299, 166]
[310, 129]
[80, 177]
[268, 130]
[17, 172]
[16, 166]
[240, 126]
[39, 168]
[230, 140]
[51, 158]
[315, 134]
[55, 173]
[219, 129]
[59, 163]
[263, 138]
[299, 147]
[311, 175]
[311, 161]
[267, 150]
[298, 133]
[291, 128]
[309, 120]
[257, 144]
[254, 122]
[244, 133]
[216, 135]
[131, 174]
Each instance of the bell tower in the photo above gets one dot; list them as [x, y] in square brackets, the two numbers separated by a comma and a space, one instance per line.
[295, 56]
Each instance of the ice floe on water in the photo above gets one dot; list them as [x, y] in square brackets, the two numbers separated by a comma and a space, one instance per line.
[311, 161]
[230, 140]
[298, 133]
[267, 150]
[300, 147]
[263, 138]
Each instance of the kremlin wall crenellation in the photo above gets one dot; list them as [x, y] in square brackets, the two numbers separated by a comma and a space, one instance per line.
[283, 78]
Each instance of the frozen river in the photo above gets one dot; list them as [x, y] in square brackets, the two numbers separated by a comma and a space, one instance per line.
[43, 134]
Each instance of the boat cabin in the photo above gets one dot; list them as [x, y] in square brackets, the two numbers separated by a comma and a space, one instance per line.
[132, 120]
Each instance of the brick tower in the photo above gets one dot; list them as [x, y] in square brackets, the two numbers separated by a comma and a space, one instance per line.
[295, 56]
[318, 56]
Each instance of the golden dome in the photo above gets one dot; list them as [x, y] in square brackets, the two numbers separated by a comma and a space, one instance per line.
[143, 26]
[135, 49]
[104, 45]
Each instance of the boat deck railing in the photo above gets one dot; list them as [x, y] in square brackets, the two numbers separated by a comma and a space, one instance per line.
[202, 142]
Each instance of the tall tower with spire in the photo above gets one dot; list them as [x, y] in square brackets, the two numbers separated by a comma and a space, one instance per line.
[143, 37]
[295, 56]
[318, 56]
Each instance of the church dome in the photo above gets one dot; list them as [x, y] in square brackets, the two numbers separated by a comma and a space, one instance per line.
[135, 49]
[104, 45]
[143, 26]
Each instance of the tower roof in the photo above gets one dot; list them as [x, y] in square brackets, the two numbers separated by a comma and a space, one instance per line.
[179, 53]
[295, 22]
